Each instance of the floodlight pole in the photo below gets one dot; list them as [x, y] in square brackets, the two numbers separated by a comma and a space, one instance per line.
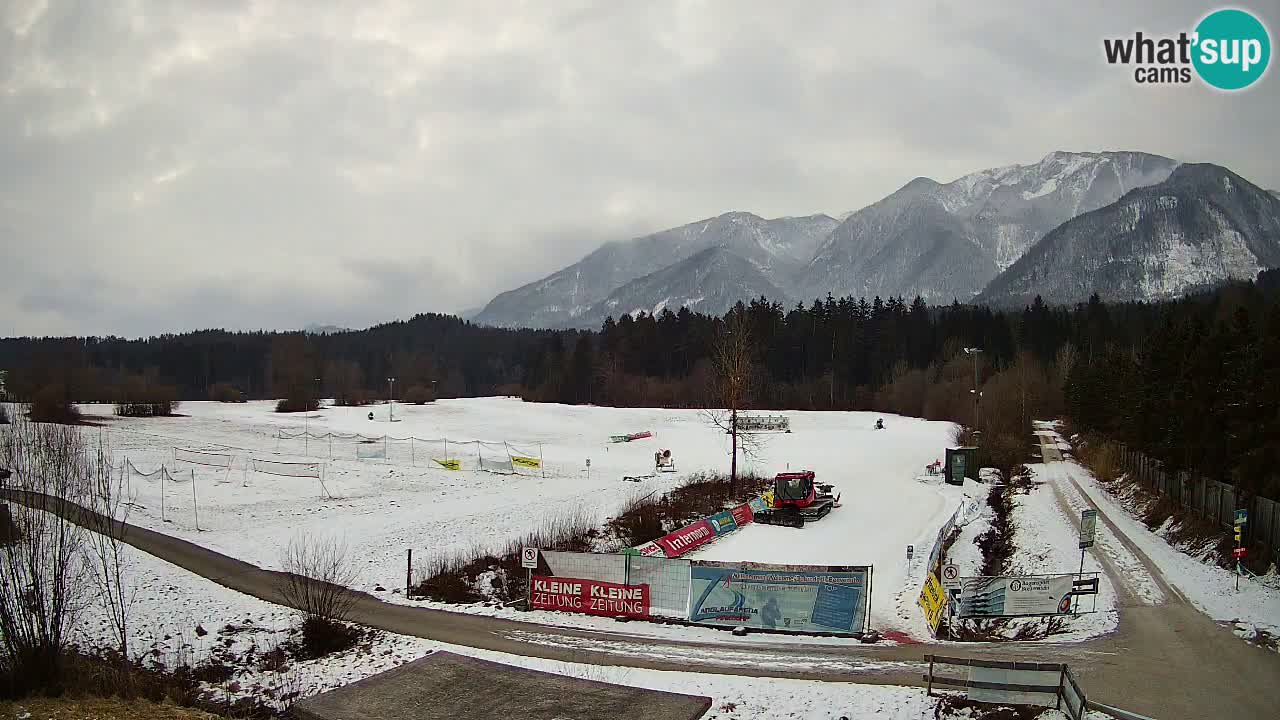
[391, 397]
[974, 352]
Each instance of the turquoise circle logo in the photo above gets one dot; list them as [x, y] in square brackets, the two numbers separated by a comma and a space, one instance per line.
[1232, 49]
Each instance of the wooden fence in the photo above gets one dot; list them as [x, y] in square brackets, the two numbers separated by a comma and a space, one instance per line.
[1215, 501]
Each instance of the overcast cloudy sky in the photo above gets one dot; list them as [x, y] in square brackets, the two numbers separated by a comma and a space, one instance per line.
[198, 163]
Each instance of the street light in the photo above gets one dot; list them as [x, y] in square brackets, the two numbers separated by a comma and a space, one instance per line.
[306, 421]
[391, 395]
[974, 352]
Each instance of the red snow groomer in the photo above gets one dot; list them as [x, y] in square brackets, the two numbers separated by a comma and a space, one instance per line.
[797, 497]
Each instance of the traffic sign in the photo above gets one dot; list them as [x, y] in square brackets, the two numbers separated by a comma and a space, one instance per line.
[1088, 527]
[1242, 517]
[950, 576]
[911, 550]
[529, 558]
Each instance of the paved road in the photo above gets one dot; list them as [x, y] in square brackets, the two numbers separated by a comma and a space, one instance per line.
[1166, 661]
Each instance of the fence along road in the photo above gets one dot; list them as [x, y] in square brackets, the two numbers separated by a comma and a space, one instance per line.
[1196, 668]
[1168, 662]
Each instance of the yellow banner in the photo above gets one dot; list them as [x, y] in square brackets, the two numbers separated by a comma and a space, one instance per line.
[448, 464]
[526, 461]
[933, 600]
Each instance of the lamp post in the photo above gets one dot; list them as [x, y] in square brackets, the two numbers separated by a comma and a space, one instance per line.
[974, 353]
[391, 397]
[306, 417]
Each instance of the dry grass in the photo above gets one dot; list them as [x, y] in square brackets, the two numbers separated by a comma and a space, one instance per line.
[98, 709]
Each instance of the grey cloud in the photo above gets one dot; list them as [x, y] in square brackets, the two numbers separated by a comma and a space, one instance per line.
[193, 163]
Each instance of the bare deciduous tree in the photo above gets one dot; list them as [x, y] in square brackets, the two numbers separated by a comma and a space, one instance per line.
[104, 548]
[318, 578]
[733, 388]
[43, 581]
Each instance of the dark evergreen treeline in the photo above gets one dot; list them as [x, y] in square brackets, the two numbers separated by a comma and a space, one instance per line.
[1194, 383]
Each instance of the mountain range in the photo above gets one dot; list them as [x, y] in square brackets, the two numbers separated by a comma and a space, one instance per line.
[1065, 227]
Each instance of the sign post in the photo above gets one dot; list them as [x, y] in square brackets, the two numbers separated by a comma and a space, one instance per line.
[1088, 529]
[950, 577]
[528, 561]
[1242, 517]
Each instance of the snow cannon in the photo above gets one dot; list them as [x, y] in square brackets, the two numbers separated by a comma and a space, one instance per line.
[664, 461]
[798, 497]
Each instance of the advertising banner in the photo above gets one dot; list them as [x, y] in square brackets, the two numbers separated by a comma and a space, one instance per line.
[529, 462]
[1016, 596]
[649, 549]
[758, 505]
[686, 538]
[591, 597]
[742, 515]
[789, 598]
[933, 600]
[722, 522]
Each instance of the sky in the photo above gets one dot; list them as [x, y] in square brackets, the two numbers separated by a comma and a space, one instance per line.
[169, 166]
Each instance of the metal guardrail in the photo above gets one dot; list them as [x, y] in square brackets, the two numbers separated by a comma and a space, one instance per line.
[1029, 683]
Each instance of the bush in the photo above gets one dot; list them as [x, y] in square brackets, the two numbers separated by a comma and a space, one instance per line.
[225, 392]
[159, 408]
[292, 405]
[418, 395]
[317, 578]
[145, 396]
[352, 398]
[53, 405]
[480, 574]
[321, 636]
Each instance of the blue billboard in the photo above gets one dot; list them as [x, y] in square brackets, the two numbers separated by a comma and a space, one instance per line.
[785, 598]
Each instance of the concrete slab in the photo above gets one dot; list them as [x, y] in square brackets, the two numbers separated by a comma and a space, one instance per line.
[448, 686]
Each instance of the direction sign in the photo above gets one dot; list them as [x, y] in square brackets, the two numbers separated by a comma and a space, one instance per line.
[1088, 526]
[1242, 517]
[950, 576]
[529, 558]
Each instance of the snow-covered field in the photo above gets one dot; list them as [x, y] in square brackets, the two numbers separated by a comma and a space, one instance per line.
[383, 508]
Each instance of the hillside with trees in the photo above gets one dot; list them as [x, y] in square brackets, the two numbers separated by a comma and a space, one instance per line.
[1194, 383]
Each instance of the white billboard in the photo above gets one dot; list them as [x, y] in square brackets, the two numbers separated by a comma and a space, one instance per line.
[1015, 596]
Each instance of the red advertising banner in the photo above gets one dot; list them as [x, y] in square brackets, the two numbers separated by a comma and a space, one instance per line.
[686, 538]
[742, 514]
[589, 596]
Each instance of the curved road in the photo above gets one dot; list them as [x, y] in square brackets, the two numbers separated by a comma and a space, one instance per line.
[1167, 661]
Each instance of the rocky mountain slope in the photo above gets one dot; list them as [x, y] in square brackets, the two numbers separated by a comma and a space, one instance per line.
[947, 241]
[1202, 225]
[710, 282]
[777, 248]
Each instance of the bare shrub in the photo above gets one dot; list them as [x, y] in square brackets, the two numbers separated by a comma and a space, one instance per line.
[420, 395]
[297, 404]
[318, 576]
[52, 404]
[458, 577]
[145, 396]
[43, 583]
[225, 392]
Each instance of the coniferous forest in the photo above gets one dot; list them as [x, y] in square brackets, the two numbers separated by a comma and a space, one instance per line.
[1194, 383]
